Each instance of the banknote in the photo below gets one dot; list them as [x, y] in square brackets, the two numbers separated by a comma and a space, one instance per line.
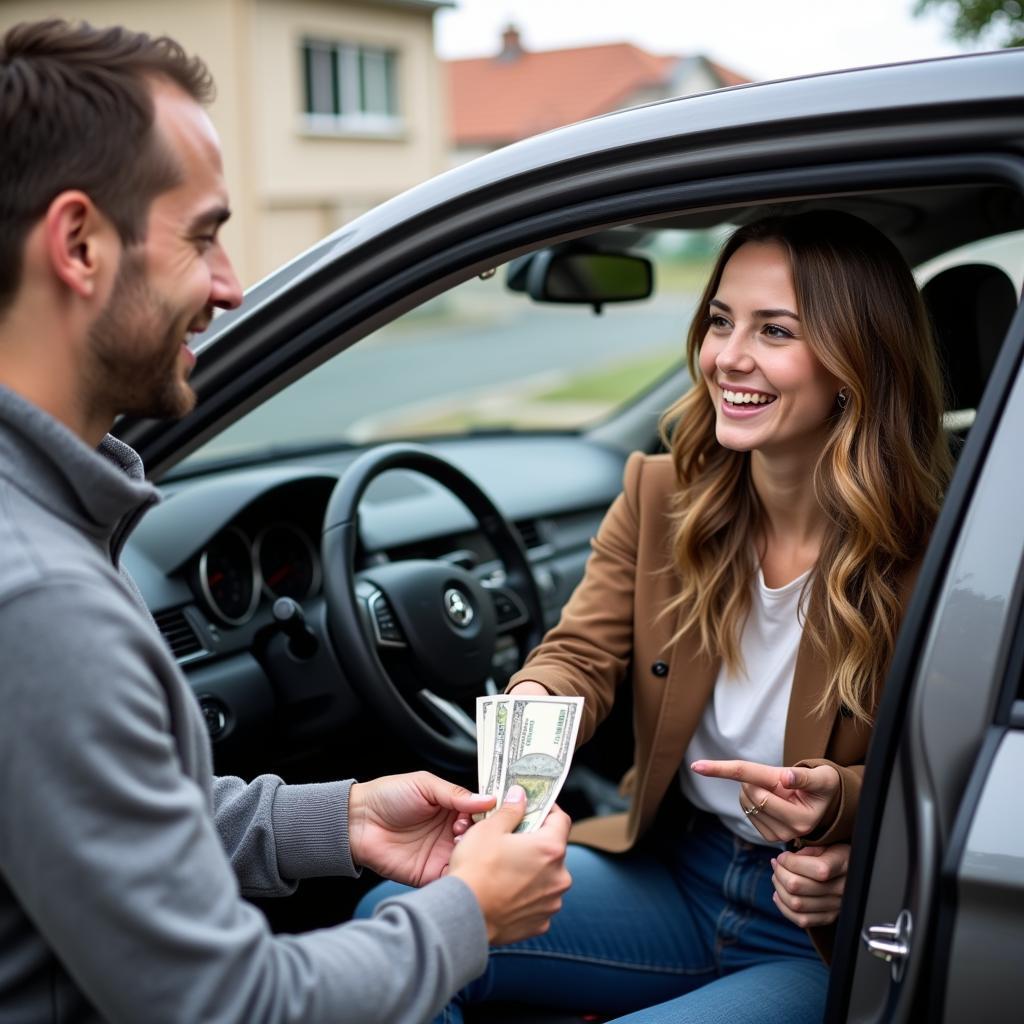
[527, 741]
[495, 734]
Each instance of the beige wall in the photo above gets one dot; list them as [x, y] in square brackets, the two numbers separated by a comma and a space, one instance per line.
[288, 188]
[305, 178]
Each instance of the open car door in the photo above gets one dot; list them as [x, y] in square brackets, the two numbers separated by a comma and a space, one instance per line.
[933, 926]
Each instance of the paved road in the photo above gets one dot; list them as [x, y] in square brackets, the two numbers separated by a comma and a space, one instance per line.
[461, 348]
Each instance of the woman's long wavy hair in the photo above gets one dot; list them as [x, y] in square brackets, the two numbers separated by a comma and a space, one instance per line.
[879, 478]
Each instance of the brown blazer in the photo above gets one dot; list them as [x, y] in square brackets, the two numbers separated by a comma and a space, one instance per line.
[611, 629]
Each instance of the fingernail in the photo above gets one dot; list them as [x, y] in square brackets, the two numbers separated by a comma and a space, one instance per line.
[696, 766]
[515, 795]
[774, 862]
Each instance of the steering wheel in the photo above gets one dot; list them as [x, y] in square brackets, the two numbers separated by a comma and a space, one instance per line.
[416, 636]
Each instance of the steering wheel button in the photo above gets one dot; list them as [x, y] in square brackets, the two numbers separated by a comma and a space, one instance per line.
[386, 625]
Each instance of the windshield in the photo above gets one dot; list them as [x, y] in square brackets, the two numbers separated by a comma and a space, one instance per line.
[484, 357]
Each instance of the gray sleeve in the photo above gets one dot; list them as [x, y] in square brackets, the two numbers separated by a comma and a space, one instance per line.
[276, 834]
[112, 855]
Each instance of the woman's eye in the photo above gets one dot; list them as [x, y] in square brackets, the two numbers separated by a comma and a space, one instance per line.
[775, 331]
[717, 320]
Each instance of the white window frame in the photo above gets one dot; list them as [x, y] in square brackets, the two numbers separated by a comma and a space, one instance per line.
[364, 90]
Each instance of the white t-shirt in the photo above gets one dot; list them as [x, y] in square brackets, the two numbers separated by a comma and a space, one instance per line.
[746, 716]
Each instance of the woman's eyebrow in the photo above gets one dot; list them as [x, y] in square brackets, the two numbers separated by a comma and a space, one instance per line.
[762, 313]
[769, 314]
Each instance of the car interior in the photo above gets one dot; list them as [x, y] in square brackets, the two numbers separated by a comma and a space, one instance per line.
[482, 435]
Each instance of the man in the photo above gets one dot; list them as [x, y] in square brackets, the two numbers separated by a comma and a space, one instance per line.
[122, 859]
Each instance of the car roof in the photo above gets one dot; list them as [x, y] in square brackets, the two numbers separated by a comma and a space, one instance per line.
[898, 97]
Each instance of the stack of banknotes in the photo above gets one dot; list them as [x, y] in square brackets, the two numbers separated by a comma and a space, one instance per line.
[526, 741]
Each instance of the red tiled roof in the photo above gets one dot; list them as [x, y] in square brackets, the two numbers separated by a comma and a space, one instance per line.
[726, 75]
[496, 100]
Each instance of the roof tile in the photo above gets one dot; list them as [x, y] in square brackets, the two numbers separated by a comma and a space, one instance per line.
[496, 100]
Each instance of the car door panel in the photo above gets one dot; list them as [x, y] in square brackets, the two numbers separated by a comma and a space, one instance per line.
[987, 942]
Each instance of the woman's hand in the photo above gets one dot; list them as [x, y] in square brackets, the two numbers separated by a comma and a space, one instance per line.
[809, 883]
[781, 803]
[528, 688]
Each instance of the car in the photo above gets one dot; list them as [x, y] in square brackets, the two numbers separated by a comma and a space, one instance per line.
[447, 388]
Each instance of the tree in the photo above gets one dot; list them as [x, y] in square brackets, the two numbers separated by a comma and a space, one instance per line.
[1002, 21]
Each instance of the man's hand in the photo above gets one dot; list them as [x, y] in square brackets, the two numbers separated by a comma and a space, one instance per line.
[809, 884]
[781, 803]
[404, 826]
[518, 879]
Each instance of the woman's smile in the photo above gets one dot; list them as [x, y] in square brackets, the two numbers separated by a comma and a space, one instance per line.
[744, 403]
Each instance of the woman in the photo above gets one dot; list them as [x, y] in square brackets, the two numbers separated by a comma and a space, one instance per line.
[750, 584]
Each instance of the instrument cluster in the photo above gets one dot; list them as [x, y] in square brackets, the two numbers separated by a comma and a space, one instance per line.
[237, 569]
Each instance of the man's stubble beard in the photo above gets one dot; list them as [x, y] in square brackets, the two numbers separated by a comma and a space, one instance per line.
[131, 372]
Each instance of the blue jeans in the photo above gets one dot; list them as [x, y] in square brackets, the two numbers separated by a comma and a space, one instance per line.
[683, 932]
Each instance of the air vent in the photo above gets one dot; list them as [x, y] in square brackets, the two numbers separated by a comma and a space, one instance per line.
[529, 533]
[179, 634]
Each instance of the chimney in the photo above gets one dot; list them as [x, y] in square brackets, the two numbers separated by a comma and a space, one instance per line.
[511, 47]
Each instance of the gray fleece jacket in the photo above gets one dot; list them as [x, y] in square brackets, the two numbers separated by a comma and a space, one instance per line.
[123, 861]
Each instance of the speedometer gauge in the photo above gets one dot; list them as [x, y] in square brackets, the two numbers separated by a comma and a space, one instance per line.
[227, 577]
[287, 562]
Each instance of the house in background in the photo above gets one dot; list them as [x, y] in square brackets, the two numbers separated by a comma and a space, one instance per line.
[324, 107]
[518, 93]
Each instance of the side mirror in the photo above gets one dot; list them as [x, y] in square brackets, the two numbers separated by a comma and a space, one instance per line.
[582, 277]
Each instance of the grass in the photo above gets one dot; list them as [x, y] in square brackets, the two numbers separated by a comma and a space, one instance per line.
[612, 384]
[578, 400]
[681, 276]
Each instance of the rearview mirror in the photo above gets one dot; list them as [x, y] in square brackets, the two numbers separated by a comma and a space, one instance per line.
[582, 277]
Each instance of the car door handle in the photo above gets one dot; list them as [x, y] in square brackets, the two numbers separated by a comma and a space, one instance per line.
[890, 942]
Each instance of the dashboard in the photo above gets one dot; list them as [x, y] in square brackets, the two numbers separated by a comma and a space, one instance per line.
[214, 559]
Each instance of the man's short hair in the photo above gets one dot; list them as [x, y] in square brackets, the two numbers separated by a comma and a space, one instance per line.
[76, 112]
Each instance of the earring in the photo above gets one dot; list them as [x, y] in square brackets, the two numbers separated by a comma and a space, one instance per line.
[842, 398]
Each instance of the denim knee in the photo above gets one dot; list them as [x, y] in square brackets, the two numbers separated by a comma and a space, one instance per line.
[384, 891]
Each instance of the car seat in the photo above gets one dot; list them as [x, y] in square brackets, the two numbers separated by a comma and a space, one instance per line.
[971, 307]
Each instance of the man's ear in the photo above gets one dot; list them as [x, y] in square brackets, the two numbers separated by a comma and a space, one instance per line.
[80, 242]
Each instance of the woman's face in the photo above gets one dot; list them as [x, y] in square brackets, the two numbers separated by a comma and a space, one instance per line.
[770, 392]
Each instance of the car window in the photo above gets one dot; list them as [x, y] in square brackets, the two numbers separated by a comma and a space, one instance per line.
[484, 357]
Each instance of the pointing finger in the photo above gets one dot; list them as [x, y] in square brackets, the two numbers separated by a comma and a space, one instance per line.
[740, 771]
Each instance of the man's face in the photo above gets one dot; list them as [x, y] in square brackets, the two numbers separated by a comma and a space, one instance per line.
[168, 285]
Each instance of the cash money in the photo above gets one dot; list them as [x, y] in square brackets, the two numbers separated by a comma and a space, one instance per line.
[529, 742]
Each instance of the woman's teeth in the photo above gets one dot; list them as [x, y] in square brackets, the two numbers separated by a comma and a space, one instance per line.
[746, 398]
